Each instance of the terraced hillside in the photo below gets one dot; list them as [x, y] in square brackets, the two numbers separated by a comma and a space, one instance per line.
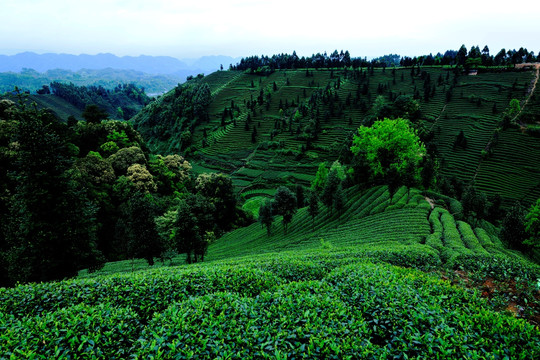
[261, 128]
[359, 294]
[373, 220]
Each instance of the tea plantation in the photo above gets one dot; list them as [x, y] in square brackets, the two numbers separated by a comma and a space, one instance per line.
[365, 284]
[254, 134]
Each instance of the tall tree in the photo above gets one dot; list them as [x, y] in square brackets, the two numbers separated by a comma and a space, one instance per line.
[137, 228]
[313, 206]
[50, 231]
[266, 217]
[194, 224]
[332, 184]
[285, 205]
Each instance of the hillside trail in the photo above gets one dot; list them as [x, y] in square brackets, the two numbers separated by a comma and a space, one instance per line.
[530, 93]
[220, 88]
[437, 119]
[531, 89]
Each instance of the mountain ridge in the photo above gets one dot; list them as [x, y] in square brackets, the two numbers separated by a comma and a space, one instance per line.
[145, 63]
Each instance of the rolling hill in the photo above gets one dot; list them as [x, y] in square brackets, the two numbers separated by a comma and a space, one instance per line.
[500, 160]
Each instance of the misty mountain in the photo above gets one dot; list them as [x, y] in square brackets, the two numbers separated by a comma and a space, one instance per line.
[143, 63]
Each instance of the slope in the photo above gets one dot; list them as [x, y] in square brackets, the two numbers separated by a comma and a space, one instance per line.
[349, 301]
[275, 128]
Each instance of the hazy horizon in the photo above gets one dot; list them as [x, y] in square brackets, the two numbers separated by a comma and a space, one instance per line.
[239, 28]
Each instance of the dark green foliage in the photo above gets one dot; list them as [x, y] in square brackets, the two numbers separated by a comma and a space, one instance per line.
[136, 228]
[122, 102]
[513, 226]
[299, 189]
[93, 114]
[218, 189]
[285, 205]
[266, 217]
[50, 230]
[532, 225]
[339, 199]
[332, 183]
[163, 122]
[193, 226]
[313, 205]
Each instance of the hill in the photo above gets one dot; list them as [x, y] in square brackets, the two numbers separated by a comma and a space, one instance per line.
[378, 286]
[252, 131]
[31, 80]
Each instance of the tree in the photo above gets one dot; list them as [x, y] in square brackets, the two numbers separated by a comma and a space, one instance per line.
[285, 205]
[137, 229]
[389, 144]
[300, 202]
[513, 108]
[266, 218]
[219, 191]
[313, 206]
[332, 184]
[319, 182]
[94, 114]
[339, 199]
[193, 226]
[50, 229]
[513, 230]
[532, 225]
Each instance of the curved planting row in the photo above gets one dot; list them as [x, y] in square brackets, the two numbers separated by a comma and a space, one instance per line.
[331, 305]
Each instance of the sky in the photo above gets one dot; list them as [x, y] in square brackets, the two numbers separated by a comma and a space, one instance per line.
[191, 29]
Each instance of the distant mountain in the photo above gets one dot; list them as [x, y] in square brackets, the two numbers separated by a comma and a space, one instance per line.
[143, 63]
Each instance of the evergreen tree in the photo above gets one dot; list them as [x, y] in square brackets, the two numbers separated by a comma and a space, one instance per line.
[339, 199]
[194, 223]
[138, 230]
[332, 184]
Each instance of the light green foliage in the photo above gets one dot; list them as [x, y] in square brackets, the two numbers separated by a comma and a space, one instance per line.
[513, 108]
[332, 304]
[532, 225]
[319, 182]
[389, 144]
[340, 169]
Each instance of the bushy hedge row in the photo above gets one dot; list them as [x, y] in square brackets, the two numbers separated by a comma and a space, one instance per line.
[338, 304]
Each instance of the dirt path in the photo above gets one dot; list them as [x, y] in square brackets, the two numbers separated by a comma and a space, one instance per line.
[437, 119]
[533, 87]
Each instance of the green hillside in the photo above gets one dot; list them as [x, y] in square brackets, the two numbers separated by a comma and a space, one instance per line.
[60, 107]
[285, 149]
[358, 293]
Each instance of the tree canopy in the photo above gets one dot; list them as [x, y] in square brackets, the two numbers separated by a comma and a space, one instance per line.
[389, 144]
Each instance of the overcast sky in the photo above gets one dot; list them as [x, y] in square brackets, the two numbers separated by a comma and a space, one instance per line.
[188, 29]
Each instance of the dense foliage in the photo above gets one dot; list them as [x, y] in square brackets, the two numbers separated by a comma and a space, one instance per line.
[464, 57]
[169, 122]
[79, 194]
[122, 102]
[315, 304]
